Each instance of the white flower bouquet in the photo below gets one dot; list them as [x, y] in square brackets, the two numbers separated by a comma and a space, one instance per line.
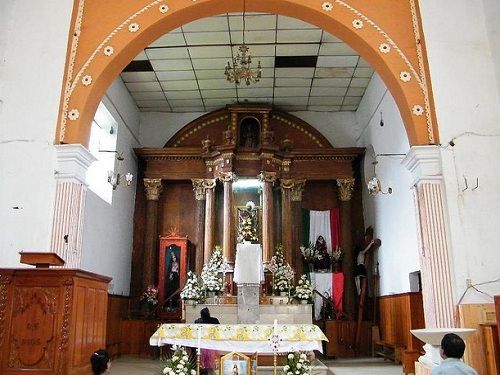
[310, 253]
[212, 281]
[179, 363]
[192, 289]
[304, 289]
[297, 364]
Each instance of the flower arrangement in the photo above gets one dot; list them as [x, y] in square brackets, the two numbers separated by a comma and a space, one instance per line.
[304, 289]
[310, 253]
[210, 272]
[179, 363]
[337, 256]
[297, 364]
[150, 295]
[192, 289]
[280, 278]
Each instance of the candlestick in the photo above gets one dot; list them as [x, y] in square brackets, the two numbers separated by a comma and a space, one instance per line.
[275, 326]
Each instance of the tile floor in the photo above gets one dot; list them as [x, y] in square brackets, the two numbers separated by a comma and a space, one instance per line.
[127, 365]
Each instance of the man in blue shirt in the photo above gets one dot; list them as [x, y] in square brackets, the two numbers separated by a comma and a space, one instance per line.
[452, 349]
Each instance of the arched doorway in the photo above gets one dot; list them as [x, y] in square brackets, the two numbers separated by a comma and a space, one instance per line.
[387, 36]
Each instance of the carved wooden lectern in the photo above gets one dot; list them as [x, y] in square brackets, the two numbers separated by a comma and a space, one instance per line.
[51, 320]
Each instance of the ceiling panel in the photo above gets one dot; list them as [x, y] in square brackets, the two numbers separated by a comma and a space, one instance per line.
[320, 73]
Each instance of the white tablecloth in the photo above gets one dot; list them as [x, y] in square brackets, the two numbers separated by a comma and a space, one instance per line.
[249, 338]
[248, 267]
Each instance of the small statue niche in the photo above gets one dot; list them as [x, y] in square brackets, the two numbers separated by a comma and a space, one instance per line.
[249, 133]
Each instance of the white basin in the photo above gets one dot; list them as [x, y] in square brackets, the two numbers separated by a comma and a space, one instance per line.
[434, 336]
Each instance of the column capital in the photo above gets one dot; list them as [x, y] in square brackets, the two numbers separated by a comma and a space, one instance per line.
[209, 183]
[424, 163]
[297, 190]
[267, 177]
[226, 176]
[287, 183]
[72, 162]
[346, 185]
[199, 188]
[153, 188]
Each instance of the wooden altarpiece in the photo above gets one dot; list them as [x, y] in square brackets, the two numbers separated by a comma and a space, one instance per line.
[172, 269]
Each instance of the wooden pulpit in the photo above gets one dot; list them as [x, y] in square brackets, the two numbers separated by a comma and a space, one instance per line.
[51, 320]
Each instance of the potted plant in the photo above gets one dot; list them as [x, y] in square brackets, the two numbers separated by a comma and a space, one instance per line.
[310, 255]
[303, 290]
[150, 297]
[192, 290]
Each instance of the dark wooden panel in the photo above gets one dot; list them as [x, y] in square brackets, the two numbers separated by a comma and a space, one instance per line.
[117, 311]
[320, 195]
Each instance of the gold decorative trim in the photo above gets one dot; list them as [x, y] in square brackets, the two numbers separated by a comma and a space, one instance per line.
[247, 157]
[199, 188]
[64, 328]
[226, 176]
[287, 183]
[209, 183]
[185, 135]
[3, 305]
[346, 186]
[267, 177]
[298, 127]
[297, 190]
[153, 188]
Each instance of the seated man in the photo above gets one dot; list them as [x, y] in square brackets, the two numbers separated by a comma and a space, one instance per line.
[452, 349]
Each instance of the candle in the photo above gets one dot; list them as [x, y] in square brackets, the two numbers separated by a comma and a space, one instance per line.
[199, 338]
[275, 326]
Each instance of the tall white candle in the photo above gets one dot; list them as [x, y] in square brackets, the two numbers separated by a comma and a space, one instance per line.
[199, 338]
[275, 326]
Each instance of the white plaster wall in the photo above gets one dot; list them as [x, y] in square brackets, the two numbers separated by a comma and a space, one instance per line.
[108, 228]
[32, 53]
[392, 215]
[492, 12]
[468, 110]
[158, 127]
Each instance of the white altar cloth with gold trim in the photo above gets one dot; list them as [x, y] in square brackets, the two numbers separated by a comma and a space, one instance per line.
[248, 338]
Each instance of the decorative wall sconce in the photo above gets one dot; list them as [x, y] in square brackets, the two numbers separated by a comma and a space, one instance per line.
[115, 178]
[375, 186]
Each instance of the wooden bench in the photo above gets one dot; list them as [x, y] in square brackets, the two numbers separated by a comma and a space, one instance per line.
[388, 351]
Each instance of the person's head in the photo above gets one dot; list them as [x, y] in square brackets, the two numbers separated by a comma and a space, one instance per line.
[100, 361]
[320, 239]
[205, 313]
[452, 346]
[174, 258]
[368, 234]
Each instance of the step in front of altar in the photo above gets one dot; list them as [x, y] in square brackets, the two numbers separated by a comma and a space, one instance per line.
[228, 314]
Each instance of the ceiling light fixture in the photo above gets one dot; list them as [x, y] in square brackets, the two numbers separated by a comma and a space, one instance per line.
[114, 178]
[241, 70]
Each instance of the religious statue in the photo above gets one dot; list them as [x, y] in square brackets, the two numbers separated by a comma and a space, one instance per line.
[249, 133]
[362, 258]
[323, 263]
[172, 276]
[248, 223]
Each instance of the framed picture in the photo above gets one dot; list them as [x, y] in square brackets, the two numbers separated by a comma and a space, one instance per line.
[235, 364]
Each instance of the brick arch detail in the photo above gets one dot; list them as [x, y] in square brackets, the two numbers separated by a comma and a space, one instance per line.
[106, 35]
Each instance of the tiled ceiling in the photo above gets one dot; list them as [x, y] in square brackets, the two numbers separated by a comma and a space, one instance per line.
[303, 67]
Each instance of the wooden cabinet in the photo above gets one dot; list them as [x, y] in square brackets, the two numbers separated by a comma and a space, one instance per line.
[172, 275]
[51, 320]
[340, 338]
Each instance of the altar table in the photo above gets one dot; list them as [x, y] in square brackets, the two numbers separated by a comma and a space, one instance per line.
[248, 338]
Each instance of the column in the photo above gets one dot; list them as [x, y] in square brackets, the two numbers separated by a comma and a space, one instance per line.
[209, 185]
[267, 179]
[153, 188]
[199, 196]
[424, 162]
[286, 217]
[296, 198]
[72, 162]
[345, 187]
[227, 247]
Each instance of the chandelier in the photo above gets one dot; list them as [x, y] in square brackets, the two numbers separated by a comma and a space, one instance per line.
[241, 69]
